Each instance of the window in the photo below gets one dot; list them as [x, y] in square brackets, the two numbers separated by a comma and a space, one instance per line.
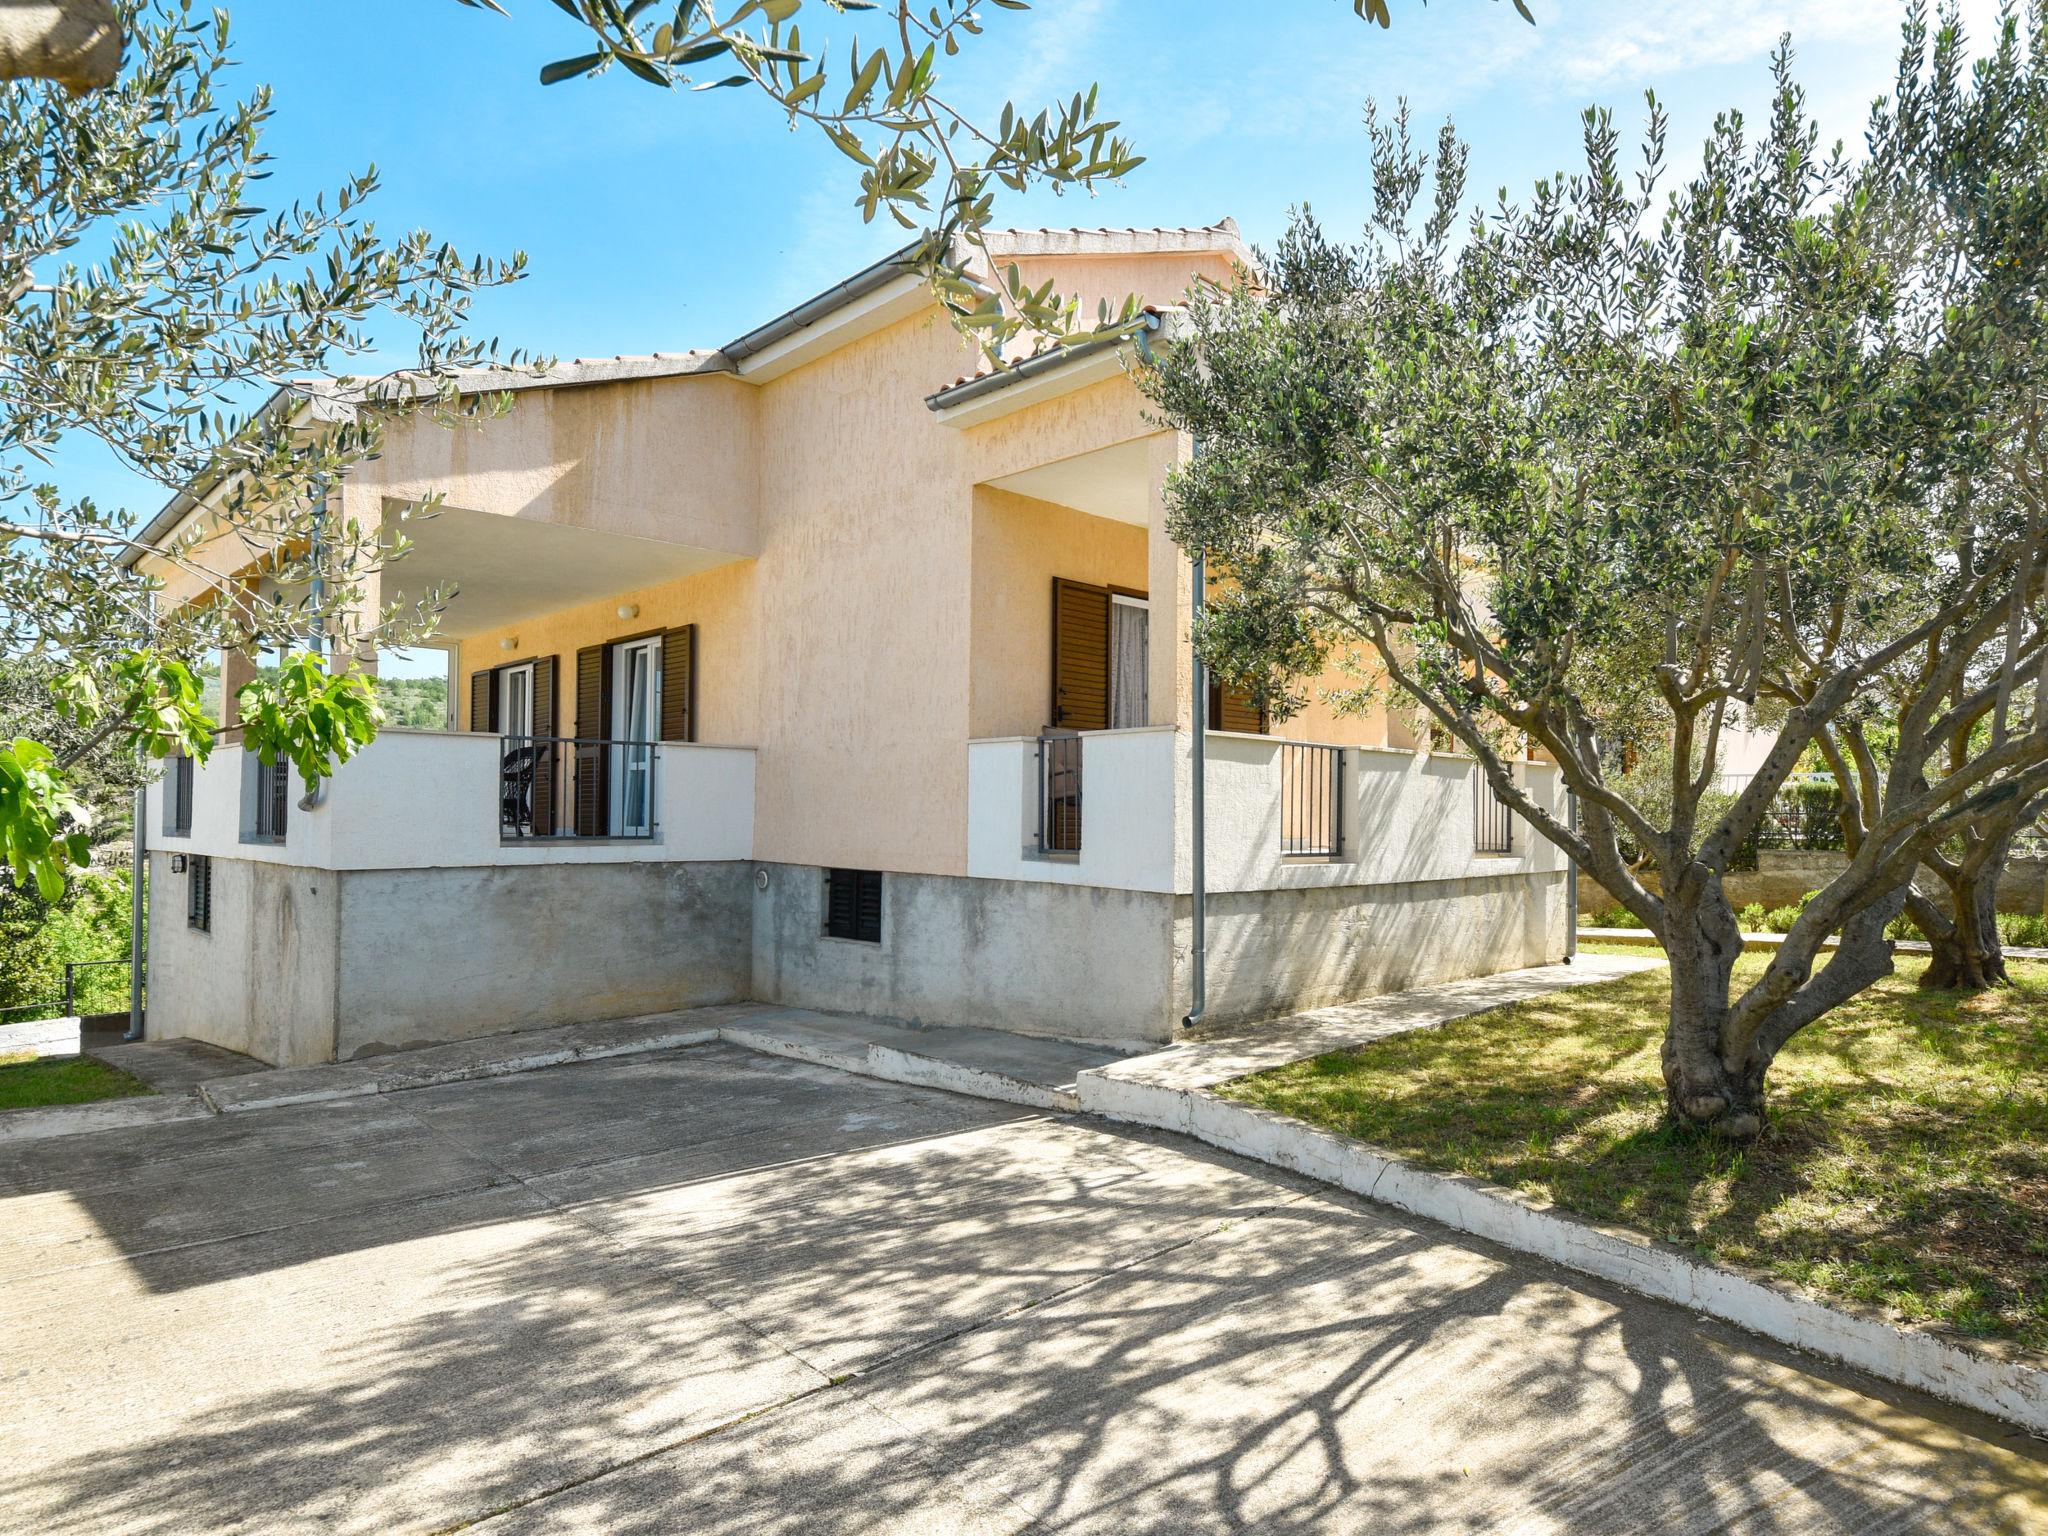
[515, 699]
[416, 686]
[636, 724]
[1494, 829]
[199, 892]
[1129, 680]
[177, 814]
[853, 905]
[267, 788]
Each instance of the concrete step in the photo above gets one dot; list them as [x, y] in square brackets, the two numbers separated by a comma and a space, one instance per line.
[486, 1056]
[1030, 1070]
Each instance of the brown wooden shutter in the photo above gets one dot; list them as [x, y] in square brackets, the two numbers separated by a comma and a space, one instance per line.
[593, 725]
[1080, 656]
[679, 684]
[483, 700]
[547, 754]
[1234, 709]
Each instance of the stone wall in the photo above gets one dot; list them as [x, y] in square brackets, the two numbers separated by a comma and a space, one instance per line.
[1782, 876]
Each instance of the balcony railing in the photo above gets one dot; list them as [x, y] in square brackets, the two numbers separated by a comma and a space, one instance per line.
[1311, 800]
[575, 786]
[1059, 794]
[1276, 815]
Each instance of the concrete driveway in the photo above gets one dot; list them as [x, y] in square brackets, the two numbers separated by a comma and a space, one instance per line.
[712, 1291]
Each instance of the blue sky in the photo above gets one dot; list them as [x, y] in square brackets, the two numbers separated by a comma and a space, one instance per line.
[663, 221]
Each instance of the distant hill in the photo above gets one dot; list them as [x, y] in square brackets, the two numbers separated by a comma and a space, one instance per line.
[420, 702]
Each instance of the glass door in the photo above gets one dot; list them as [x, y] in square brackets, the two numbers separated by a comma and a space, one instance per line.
[515, 701]
[1129, 675]
[520, 756]
[636, 721]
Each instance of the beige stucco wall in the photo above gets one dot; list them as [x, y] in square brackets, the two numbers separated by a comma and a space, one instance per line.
[849, 637]
[1020, 546]
[671, 459]
[1321, 720]
[720, 603]
[1161, 279]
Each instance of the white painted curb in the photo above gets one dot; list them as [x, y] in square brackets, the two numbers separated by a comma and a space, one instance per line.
[1971, 1375]
[898, 1066]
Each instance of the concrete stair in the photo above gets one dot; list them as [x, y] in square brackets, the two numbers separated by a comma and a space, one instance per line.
[1030, 1070]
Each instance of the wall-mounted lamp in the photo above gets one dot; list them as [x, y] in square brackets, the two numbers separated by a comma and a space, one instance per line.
[509, 643]
[629, 610]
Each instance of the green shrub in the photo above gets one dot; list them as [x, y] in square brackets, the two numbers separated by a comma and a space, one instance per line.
[1780, 919]
[1612, 916]
[28, 951]
[37, 939]
[1752, 917]
[2023, 930]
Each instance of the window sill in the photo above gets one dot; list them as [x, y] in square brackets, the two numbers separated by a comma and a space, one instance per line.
[570, 840]
[1039, 855]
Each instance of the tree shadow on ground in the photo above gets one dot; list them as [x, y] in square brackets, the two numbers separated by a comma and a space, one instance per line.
[970, 1322]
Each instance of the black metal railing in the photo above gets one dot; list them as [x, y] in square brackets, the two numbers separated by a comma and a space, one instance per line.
[66, 1002]
[272, 787]
[1493, 829]
[1311, 800]
[1805, 814]
[576, 786]
[1059, 793]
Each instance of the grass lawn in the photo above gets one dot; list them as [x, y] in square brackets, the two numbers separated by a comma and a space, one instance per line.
[1905, 1164]
[28, 1080]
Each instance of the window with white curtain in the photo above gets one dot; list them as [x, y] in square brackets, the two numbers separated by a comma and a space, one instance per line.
[1129, 618]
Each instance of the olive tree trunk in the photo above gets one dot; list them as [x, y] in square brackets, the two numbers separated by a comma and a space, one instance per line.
[1719, 1047]
[1703, 941]
[1968, 954]
[76, 43]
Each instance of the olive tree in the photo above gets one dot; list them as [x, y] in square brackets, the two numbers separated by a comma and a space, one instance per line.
[158, 299]
[1609, 458]
[1964, 149]
[921, 156]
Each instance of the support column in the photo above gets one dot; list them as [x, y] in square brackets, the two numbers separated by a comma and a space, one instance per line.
[364, 507]
[1170, 682]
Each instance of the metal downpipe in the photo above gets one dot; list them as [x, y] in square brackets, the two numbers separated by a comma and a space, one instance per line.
[137, 860]
[316, 793]
[1571, 879]
[1199, 887]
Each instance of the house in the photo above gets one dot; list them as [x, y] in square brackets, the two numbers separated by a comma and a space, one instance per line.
[830, 669]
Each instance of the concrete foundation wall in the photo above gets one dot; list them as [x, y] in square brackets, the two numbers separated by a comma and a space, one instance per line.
[305, 966]
[1082, 962]
[442, 954]
[1086, 962]
[1279, 952]
[261, 980]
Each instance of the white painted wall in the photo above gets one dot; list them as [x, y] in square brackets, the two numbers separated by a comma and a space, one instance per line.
[1127, 804]
[1407, 816]
[429, 800]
